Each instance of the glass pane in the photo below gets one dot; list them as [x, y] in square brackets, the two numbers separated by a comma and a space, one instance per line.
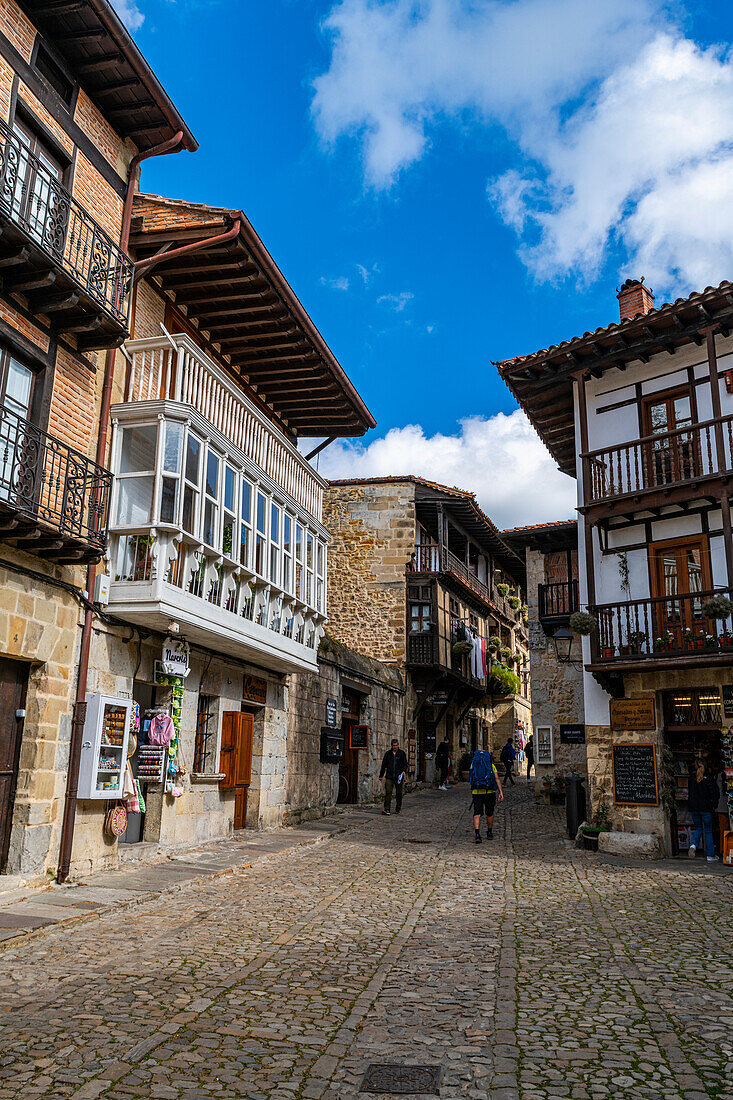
[246, 502]
[212, 475]
[309, 552]
[260, 556]
[274, 522]
[230, 480]
[286, 533]
[210, 513]
[193, 459]
[319, 596]
[189, 509]
[169, 500]
[18, 388]
[138, 449]
[260, 513]
[694, 569]
[244, 545]
[320, 550]
[135, 500]
[682, 411]
[287, 573]
[299, 542]
[658, 417]
[172, 447]
[274, 565]
[227, 538]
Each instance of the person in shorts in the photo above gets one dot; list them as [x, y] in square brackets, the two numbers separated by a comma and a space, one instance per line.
[486, 790]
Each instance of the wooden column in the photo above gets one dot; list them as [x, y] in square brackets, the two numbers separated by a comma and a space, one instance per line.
[590, 565]
[720, 451]
[441, 537]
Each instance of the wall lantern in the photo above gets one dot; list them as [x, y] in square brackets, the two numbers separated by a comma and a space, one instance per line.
[563, 641]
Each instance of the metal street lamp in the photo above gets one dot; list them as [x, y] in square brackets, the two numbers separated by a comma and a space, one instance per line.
[563, 641]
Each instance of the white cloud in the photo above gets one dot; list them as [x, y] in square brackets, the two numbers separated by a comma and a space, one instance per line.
[499, 458]
[367, 273]
[129, 13]
[341, 282]
[622, 127]
[397, 302]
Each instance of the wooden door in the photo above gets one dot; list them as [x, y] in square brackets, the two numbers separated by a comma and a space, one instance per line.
[680, 570]
[670, 458]
[13, 680]
[348, 767]
[235, 761]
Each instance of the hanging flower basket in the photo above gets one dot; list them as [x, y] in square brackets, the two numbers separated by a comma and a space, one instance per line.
[718, 607]
[581, 622]
[503, 590]
[462, 649]
[514, 602]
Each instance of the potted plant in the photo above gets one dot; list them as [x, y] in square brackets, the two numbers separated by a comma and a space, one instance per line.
[546, 788]
[464, 765]
[493, 645]
[581, 622]
[503, 590]
[717, 607]
[505, 654]
[710, 642]
[514, 602]
[601, 823]
[557, 791]
[636, 640]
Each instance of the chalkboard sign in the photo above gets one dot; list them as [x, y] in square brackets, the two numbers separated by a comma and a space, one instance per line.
[331, 712]
[572, 735]
[635, 775]
[728, 702]
[359, 737]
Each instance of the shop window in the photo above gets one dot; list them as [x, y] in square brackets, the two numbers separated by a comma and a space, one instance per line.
[692, 709]
[205, 743]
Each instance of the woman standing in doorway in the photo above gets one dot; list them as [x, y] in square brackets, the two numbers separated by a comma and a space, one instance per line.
[702, 800]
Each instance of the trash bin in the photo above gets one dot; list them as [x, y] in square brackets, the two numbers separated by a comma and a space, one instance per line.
[574, 803]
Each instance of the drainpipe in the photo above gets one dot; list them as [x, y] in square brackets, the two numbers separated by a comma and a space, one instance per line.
[173, 145]
[142, 267]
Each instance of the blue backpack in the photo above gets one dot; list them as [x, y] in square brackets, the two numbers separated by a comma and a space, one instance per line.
[482, 771]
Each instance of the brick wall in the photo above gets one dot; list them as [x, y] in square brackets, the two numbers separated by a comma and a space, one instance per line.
[148, 313]
[373, 535]
[17, 28]
[73, 414]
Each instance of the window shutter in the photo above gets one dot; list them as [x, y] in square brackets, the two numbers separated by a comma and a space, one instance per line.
[245, 732]
[227, 759]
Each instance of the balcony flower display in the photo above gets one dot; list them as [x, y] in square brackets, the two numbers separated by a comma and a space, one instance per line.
[503, 590]
[514, 602]
[493, 645]
[581, 622]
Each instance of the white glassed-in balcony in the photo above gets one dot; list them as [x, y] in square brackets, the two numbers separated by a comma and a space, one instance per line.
[203, 536]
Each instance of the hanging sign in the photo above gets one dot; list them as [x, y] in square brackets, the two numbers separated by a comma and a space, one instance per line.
[175, 660]
[411, 751]
[633, 714]
[254, 690]
[635, 775]
[728, 701]
[572, 735]
[438, 698]
[359, 737]
[331, 712]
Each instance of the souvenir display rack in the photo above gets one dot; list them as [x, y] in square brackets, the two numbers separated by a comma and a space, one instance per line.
[104, 747]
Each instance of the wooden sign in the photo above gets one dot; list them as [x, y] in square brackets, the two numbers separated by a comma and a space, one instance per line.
[572, 735]
[254, 690]
[331, 712]
[411, 751]
[728, 702]
[359, 737]
[635, 775]
[633, 714]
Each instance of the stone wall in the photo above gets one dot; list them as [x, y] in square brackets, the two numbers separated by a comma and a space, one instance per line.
[373, 536]
[312, 786]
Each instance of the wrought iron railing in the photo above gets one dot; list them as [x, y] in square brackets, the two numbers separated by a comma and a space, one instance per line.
[51, 217]
[43, 479]
[557, 601]
[660, 627]
[659, 462]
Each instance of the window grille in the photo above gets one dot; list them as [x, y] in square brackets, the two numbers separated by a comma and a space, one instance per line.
[205, 733]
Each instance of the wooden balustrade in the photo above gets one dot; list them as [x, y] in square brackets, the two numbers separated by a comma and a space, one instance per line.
[558, 601]
[660, 627]
[176, 369]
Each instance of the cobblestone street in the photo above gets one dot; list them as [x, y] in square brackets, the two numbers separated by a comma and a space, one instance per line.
[521, 967]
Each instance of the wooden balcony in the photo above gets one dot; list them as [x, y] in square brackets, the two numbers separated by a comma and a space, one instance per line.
[54, 254]
[662, 631]
[54, 501]
[424, 651]
[557, 602]
[657, 470]
[175, 369]
[428, 559]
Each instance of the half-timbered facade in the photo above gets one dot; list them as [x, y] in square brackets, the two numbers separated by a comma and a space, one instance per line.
[641, 412]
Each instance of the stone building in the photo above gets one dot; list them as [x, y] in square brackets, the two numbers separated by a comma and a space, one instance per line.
[73, 129]
[421, 579]
[640, 411]
[556, 676]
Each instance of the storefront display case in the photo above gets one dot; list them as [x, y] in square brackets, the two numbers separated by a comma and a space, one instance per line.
[104, 747]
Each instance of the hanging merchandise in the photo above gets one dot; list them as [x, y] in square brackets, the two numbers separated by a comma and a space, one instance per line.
[161, 730]
[135, 718]
[115, 822]
[170, 724]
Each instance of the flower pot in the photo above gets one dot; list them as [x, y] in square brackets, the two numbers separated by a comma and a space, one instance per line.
[608, 651]
[590, 842]
[557, 798]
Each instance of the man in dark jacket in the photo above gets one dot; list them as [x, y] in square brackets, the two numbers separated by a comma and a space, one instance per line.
[442, 763]
[507, 757]
[394, 773]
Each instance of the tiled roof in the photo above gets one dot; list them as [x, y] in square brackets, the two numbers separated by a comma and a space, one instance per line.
[541, 526]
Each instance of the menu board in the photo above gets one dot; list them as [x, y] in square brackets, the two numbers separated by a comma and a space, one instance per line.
[359, 737]
[728, 702]
[635, 775]
[331, 712]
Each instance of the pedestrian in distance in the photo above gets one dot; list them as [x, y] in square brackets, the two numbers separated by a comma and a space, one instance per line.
[508, 756]
[442, 763]
[529, 753]
[702, 798]
[394, 774]
[485, 789]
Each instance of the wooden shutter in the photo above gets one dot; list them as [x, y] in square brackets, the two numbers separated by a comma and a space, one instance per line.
[228, 756]
[245, 734]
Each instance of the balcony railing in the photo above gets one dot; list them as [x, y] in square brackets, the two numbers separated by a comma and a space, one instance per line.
[56, 224]
[557, 602]
[53, 487]
[657, 463]
[175, 369]
[427, 559]
[660, 627]
[422, 649]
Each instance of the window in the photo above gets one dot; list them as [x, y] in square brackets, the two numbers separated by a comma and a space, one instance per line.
[205, 743]
[170, 481]
[420, 618]
[136, 475]
[308, 597]
[670, 457]
[299, 561]
[245, 530]
[274, 544]
[211, 508]
[261, 536]
[320, 577]
[192, 483]
[229, 528]
[53, 75]
[38, 202]
[287, 581]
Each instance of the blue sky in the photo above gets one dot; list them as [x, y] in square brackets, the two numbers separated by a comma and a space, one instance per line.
[447, 182]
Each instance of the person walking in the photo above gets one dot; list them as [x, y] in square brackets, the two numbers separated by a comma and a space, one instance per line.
[394, 773]
[508, 756]
[485, 789]
[442, 763]
[702, 799]
[529, 753]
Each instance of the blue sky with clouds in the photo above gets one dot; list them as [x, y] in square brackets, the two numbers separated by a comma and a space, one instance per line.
[447, 182]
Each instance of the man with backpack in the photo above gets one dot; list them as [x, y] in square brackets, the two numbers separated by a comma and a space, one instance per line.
[507, 757]
[485, 788]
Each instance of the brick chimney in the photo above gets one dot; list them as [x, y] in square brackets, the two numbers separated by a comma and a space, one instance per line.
[634, 298]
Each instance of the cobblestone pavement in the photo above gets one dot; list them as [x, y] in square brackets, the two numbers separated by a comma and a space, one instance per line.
[523, 968]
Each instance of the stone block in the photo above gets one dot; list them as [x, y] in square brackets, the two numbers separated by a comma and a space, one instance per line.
[632, 845]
